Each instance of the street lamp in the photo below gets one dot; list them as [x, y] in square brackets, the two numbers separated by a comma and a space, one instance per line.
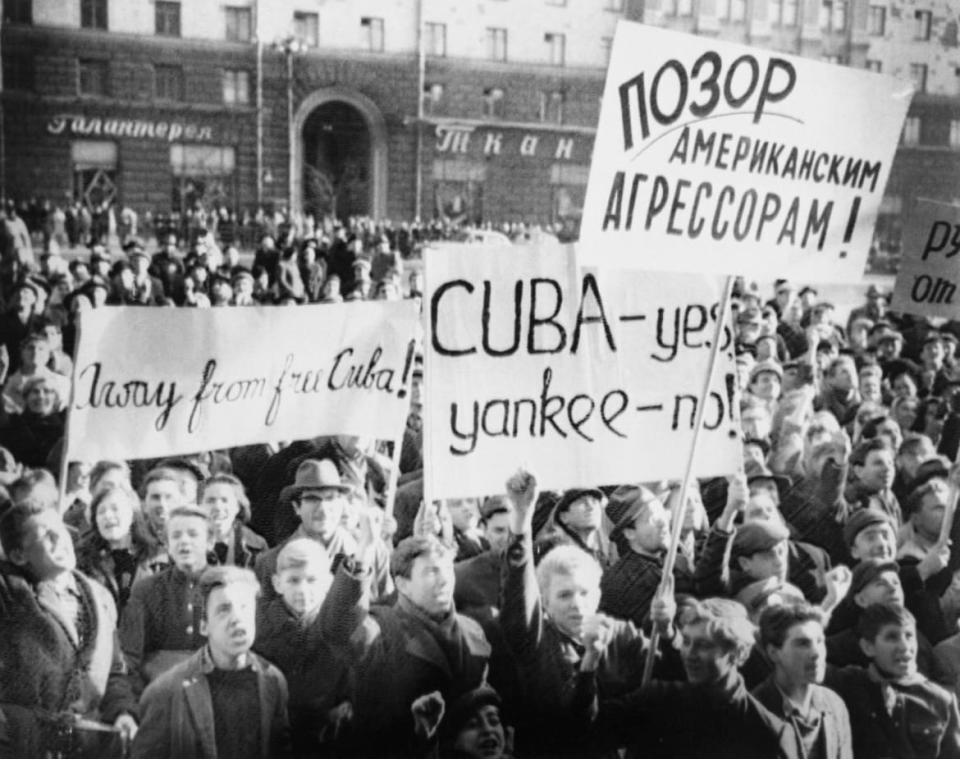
[290, 46]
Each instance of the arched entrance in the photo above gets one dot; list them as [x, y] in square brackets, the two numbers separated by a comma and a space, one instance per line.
[340, 155]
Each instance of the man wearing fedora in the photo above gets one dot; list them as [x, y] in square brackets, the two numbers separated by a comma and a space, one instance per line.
[641, 532]
[319, 498]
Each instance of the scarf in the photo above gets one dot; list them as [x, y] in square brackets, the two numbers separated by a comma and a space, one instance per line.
[446, 632]
[889, 686]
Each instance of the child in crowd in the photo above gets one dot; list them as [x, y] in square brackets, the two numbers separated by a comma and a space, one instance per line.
[291, 634]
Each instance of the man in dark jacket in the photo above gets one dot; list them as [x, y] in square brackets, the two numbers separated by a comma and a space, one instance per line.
[224, 700]
[894, 710]
[712, 715]
[548, 617]
[421, 644]
[641, 530]
[793, 639]
[59, 657]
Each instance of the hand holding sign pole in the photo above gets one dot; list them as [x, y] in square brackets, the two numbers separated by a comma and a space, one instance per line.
[666, 580]
[718, 158]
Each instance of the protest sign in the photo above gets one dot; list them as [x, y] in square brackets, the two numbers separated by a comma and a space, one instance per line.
[153, 382]
[930, 267]
[584, 377]
[716, 157]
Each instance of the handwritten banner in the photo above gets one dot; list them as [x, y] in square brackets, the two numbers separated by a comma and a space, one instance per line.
[717, 157]
[930, 268]
[152, 382]
[587, 377]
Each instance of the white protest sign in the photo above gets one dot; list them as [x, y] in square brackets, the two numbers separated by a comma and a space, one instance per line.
[587, 378]
[156, 381]
[717, 157]
[930, 267]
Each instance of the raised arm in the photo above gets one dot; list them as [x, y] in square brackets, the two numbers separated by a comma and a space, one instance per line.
[521, 617]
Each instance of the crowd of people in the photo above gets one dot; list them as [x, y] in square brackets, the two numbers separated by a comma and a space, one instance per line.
[291, 600]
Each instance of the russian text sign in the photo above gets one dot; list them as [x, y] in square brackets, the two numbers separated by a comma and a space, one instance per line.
[930, 267]
[716, 157]
[156, 381]
[586, 377]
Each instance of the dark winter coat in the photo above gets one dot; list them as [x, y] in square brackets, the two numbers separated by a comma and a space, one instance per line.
[45, 669]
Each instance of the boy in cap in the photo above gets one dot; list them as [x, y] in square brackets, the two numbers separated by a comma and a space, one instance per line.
[895, 710]
[761, 550]
[577, 519]
[641, 531]
[875, 581]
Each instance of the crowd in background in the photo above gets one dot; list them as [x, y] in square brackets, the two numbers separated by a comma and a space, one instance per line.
[276, 600]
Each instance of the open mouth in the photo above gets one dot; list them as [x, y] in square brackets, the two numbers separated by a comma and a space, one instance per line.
[489, 745]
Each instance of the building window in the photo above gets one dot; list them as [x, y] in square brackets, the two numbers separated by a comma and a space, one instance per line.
[496, 43]
[614, 5]
[18, 73]
[168, 82]
[784, 13]
[922, 28]
[435, 41]
[373, 33]
[918, 73]
[239, 24]
[306, 28]
[839, 21]
[94, 165]
[606, 45]
[493, 103]
[730, 10]
[877, 20]
[167, 19]
[955, 133]
[830, 58]
[202, 174]
[93, 78]
[236, 87]
[432, 95]
[668, 7]
[556, 48]
[551, 107]
[833, 15]
[684, 7]
[93, 14]
[911, 131]
[18, 12]
[874, 65]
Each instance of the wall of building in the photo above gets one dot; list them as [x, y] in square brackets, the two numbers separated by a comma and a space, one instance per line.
[517, 161]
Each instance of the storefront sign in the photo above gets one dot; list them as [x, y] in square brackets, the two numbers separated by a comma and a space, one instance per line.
[586, 377]
[246, 375]
[464, 139]
[717, 157]
[138, 129]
